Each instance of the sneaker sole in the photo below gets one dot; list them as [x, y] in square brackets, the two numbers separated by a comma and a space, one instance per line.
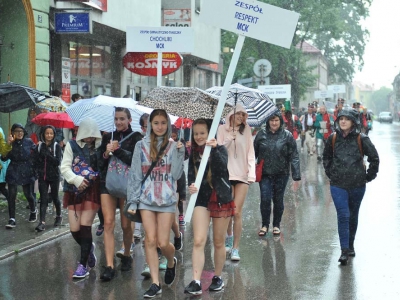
[10, 226]
[119, 255]
[194, 293]
[80, 276]
[148, 296]
[217, 289]
[235, 258]
[146, 274]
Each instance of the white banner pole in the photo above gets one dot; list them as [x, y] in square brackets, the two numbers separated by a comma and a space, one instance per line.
[159, 68]
[214, 126]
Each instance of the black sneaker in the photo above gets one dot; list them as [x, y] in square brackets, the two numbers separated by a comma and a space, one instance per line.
[57, 221]
[170, 274]
[11, 224]
[178, 242]
[126, 263]
[193, 288]
[216, 284]
[100, 230]
[40, 227]
[153, 291]
[33, 216]
[107, 274]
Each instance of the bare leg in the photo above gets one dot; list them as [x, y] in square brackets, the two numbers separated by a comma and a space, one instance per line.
[219, 228]
[164, 223]
[109, 205]
[150, 227]
[240, 195]
[126, 229]
[201, 221]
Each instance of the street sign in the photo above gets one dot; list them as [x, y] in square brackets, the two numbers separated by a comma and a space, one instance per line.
[323, 94]
[262, 68]
[72, 22]
[337, 89]
[253, 19]
[159, 39]
[282, 91]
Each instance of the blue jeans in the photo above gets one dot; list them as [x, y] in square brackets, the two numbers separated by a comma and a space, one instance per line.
[347, 203]
[272, 187]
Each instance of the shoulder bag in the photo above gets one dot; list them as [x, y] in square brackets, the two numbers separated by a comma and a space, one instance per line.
[137, 217]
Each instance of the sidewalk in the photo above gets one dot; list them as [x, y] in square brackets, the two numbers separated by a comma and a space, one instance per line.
[24, 237]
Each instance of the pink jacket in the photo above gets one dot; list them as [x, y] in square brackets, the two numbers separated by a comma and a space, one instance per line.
[241, 158]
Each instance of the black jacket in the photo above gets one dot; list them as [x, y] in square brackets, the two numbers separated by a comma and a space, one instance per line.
[124, 153]
[344, 165]
[219, 175]
[279, 151]
[20, 171]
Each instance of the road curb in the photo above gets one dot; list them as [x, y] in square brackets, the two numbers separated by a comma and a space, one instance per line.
[30, 244]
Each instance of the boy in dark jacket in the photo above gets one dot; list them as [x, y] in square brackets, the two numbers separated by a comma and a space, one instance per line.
[48, 159]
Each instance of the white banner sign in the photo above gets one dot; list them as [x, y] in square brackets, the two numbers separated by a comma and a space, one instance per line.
[282, 91]
[251, 18]
[337, 89]
[159, 39]
[323, 94]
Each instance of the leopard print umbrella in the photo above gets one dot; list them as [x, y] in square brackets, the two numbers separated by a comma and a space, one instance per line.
[186, 102]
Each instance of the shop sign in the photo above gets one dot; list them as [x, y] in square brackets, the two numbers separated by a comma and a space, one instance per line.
[66, 79]
[72, 22]
[177, 17]
[145, 63]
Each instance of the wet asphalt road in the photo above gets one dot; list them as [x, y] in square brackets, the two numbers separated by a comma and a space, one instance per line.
[301, 264]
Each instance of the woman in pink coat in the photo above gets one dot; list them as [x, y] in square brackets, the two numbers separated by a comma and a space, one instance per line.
[236, 136]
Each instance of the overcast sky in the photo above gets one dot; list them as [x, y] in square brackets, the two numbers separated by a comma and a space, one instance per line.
[382, 52]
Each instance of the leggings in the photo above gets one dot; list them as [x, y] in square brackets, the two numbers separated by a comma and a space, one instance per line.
[44, 197]
[12, 190]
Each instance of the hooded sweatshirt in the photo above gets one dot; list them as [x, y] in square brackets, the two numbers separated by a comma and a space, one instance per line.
[48, 157]
[87, 128]
[158, 192]
[241, 162]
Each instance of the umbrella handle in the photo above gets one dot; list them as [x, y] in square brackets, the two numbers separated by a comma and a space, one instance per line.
[112, 135]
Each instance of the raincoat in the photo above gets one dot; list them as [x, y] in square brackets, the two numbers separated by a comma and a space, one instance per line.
[241, 162]
[158, 192]
[48, 158]
[279, 151]
[344, 164]
[20, 170]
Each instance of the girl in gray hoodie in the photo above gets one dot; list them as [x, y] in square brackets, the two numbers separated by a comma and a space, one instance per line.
[155, 195]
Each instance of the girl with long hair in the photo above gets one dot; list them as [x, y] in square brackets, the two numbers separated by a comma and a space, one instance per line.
[213, 202]
[152, 192]
[236, 136]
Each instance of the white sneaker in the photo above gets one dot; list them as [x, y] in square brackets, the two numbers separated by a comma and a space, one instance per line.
[120, 253]
[137, 234]
[235, 255]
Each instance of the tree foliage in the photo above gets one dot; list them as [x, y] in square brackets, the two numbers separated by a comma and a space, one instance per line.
[379, 100]
[333, 26]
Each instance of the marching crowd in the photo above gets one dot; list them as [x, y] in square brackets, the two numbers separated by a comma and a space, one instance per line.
[152, 162]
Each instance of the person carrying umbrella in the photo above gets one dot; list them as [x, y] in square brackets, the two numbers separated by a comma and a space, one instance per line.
[47, 162]
[236, 136]
[33, 130]
[20, 172]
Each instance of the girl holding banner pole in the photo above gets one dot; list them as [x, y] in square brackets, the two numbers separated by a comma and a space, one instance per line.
[214, 201]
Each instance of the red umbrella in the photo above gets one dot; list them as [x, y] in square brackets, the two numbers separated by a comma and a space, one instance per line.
[183, 123]
[58, 120]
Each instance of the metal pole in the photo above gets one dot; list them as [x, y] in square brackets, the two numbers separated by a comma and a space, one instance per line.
[215, 123]
[159, 68]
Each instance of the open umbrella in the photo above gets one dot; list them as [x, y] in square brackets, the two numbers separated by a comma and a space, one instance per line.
[183, 123]
[102, 110]
[14, 96]
[56, 119]
[187, 102]
[53, 104]
[257, 103]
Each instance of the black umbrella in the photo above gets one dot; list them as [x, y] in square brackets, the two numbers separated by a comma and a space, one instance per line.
[14, 96]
